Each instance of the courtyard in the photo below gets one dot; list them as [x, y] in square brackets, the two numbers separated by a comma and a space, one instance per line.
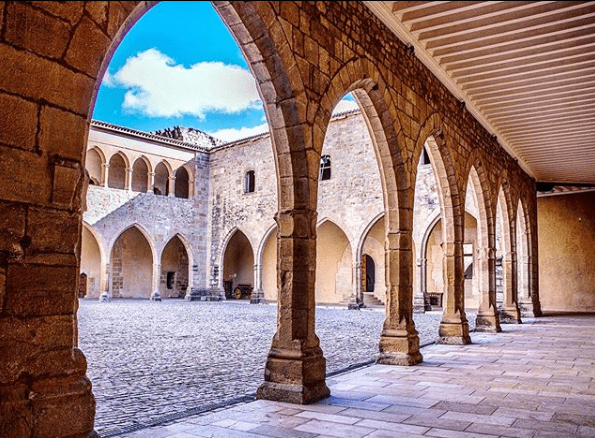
[151, 361]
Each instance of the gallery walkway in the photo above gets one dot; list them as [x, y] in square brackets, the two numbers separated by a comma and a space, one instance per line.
[532, 380]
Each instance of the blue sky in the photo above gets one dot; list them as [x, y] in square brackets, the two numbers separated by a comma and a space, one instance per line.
[179, 65]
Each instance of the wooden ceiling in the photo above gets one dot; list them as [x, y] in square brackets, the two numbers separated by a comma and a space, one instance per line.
[526, 71]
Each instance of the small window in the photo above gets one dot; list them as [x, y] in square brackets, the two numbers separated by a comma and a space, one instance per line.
[249, 182]
[325, 168]
[171, 276]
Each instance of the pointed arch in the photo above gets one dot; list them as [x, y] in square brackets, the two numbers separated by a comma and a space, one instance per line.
[237, 263]
[267, 262]
[140, 174]
[176, 267]
[398, 343]
[132, 260]
[182, 185]
[487, 319]
[161, 180]
[93, 261]
[506, 219]
[333, 263]
[95, 165]
[118, 171]
[454, 328]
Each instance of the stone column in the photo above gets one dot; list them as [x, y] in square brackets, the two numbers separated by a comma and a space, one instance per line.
[105, 294]
[510, 313]
[454, 328]
[156, 281]
[399, 340]
[257, 293]
[105, 174]
[487, 319]
[128, 182]
[356, 298]
[171, 186]
[419, 297]
[150, 182]
[295, 370]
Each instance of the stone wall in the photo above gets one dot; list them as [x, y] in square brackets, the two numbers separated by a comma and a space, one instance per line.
[567, 252]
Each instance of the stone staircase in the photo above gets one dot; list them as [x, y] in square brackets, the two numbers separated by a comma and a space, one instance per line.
[371, 301]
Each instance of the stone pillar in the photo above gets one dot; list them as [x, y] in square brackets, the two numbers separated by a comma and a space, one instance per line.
[105, 174]
[150, 182]
[419, 296]
[128, 182]
[399, 340]
[356, 298]
[454, 328]
[257, 293]
[295, 370]
[105, 283]
[487, 319]
[510, 313]
[156, 281]
[171, 186]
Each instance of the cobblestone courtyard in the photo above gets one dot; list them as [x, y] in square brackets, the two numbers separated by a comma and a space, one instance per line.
[148, 359]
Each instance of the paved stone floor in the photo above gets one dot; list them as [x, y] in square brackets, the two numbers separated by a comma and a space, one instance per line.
[532, 380]
[149, 360]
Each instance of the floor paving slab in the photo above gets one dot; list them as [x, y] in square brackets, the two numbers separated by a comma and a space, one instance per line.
[383, 411]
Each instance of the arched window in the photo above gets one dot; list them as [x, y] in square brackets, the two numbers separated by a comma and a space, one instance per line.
[140, 172]
[117, 173]
[325, 168]
[182, 179]
[249, 182]
[161, 186]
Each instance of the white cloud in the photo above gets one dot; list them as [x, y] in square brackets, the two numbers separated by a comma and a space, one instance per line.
[345, 105]
[158, 87]
[231, 134]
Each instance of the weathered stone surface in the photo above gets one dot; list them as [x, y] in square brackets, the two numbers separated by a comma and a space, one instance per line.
[18, 122]
[61, 133]
[29, 28]
[87, 39]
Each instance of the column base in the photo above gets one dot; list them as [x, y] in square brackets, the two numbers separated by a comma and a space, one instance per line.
[487, 323]
[297, 394]
[454, 333]
[420, 306]
[294, 377]
[510, 315]
[257, 297]
[399, 347]
[205, 295]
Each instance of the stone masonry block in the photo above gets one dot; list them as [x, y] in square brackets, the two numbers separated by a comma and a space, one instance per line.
[88, 47]
[29, 28]
[63, 414]
[61, 133]
[16, 183]
[31, 76]
[69, 11]
[18, 122]
[98, 11]
[66, 180]
[35, 290]
[53, 230]
[12, 228]
[117, 15]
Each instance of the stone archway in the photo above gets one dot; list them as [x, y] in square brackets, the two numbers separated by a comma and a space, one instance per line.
[175, 270]
[333, 264]
[238, 267]
[92, 263]
[131, 264]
